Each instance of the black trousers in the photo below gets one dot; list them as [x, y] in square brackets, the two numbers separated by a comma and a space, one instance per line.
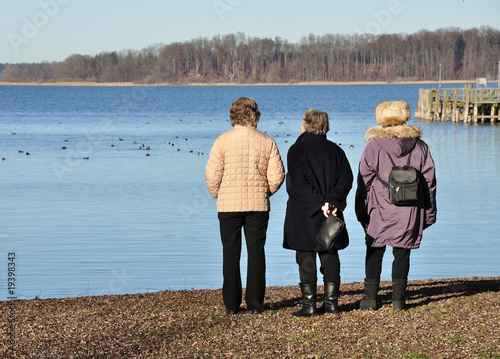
[400, 264]
[330, 266]
[254, 225]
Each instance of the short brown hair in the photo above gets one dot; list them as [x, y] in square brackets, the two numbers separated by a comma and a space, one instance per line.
[316, 122]
[244, 111]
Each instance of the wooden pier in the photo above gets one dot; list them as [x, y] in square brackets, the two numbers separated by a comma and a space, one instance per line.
[468, 104]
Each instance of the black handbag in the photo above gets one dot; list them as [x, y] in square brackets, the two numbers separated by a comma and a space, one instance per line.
[333, 233]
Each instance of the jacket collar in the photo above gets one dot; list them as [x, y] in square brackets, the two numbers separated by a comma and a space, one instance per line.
[238, 127]
[309, 135]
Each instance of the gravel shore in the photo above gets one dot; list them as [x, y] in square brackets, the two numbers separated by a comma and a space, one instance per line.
[446, 318]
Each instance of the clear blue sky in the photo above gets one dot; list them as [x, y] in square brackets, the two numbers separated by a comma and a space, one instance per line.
[51, 30]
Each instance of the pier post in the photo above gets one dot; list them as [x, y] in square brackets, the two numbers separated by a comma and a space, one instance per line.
[418, 109]
[454, 113]
[467, 94]
[436, 105]
[429, 98]
[445, 110]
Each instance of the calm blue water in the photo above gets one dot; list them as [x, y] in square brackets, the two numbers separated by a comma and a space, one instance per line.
[124, 222]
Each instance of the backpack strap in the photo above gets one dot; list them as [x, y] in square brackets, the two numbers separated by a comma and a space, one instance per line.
[388, 154]
[407, 162]
[409, 158]
[386, 185]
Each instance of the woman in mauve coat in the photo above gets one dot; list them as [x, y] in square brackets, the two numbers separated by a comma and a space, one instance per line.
[400, 227]
[318, 181]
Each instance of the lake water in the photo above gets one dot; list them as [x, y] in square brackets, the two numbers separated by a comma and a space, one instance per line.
[125, 222]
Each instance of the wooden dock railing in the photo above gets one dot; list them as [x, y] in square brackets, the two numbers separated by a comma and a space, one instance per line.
[470, 105]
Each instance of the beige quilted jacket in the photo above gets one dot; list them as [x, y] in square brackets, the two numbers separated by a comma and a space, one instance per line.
[244, 169]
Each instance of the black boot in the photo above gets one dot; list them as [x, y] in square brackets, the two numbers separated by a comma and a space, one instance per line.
[308, 301]
[398, 293]
[330, 297]
[369, 300]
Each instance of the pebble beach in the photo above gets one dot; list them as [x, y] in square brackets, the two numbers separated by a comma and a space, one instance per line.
[446, 318]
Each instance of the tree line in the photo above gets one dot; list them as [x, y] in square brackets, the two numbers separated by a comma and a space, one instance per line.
[237, 58]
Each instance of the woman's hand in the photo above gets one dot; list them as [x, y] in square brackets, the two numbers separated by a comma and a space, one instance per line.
[327, 208]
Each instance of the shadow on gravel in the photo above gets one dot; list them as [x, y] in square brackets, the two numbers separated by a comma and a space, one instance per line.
[438, 290]
[419, 293]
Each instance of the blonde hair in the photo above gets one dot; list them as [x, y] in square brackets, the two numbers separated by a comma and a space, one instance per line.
[316, 122]
[244, 111]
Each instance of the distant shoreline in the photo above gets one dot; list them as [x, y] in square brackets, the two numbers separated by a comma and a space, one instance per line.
[309, 83]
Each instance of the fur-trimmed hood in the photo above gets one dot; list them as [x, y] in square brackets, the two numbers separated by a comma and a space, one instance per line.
[398, 140]
[398, 131]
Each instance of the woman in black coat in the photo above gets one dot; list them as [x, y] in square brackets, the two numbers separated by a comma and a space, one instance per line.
[318, 181]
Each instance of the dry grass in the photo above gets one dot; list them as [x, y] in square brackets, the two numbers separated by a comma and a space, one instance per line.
[308, 83]
[453, 318]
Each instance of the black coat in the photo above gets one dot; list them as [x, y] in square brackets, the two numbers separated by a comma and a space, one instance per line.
[317, 172]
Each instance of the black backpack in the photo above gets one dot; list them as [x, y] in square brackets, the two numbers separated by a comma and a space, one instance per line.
[403, 184]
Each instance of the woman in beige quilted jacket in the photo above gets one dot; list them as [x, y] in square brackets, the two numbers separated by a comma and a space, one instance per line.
[244, 169]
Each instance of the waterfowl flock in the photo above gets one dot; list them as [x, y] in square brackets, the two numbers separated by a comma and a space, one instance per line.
[147, 148]
[141, 147]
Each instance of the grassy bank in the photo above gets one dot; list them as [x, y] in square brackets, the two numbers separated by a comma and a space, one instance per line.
[452, 318]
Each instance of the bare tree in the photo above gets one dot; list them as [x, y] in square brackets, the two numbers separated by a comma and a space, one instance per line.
[237, 58]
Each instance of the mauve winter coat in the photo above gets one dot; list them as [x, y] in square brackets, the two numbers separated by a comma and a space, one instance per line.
[318, 172]
[383, 222]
